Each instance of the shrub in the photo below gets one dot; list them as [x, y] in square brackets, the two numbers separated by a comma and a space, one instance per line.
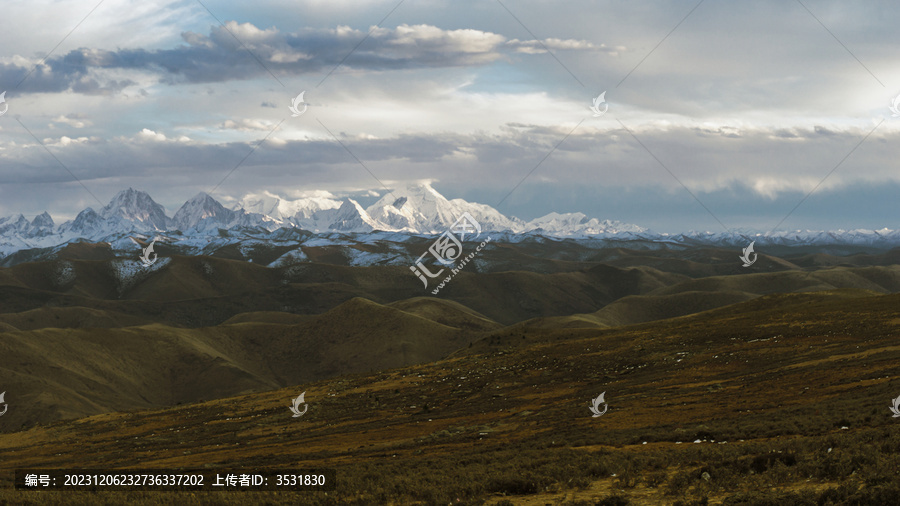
[613, 500]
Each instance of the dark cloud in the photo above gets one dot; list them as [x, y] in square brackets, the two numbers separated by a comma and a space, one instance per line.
[243, 51]
[785, 133]
[767, 160]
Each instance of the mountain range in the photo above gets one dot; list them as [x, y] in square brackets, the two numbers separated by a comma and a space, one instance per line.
[414, 210]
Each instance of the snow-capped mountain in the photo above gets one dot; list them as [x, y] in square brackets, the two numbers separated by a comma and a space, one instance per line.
[137, 207]
[556, 224]
[351, 217]
[129, 211]
[203, 224]
[288, 211]
[419, 208]
[201, 208]
[41, 225]
[87, 224]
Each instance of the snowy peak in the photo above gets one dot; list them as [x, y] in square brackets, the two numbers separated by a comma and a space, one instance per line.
[43, 221]
[86, 224]
[292, 211]
[41, 225]
[564, 218]
[136, 207]
[351, 217]
[578, 224]
[199, 208]
[14, 225]
[415, 208]
[419, 208]
[265, 203]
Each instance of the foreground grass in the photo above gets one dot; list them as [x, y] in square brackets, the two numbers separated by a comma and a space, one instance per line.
[787, 395]
[848, 467]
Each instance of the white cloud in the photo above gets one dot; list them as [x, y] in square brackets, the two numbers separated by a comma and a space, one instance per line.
[246, 124]
[149, 135]
[554, 44]
[73, 120]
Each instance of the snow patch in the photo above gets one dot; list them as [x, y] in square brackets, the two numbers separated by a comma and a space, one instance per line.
[64, 273]
[290, 258]
[129, 273]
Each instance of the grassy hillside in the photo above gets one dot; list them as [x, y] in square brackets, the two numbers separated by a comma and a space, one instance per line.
[72, 372]
[777, 400]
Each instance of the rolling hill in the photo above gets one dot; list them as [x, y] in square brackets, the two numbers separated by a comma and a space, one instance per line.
[767, 401]
[73, 372]
[83, 337]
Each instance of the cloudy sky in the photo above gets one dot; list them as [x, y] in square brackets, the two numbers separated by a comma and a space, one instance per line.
[721, 115]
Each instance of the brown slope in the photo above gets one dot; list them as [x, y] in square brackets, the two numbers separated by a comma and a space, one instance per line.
[446, 312]
[203, 291]
[171, 278]
[361, 335]
[876, 278]
[694, 262]
[813, 260]
[540, 255]
[201, 277]
[510, 297]
[86, 251]
[642, 308]
[779, 374]
[86, 278]
[646, 308]
[703, 294]
[62, 373]
[267, 317]
[70, 317]
[694, 296]
[199, 291]
[879, 279]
